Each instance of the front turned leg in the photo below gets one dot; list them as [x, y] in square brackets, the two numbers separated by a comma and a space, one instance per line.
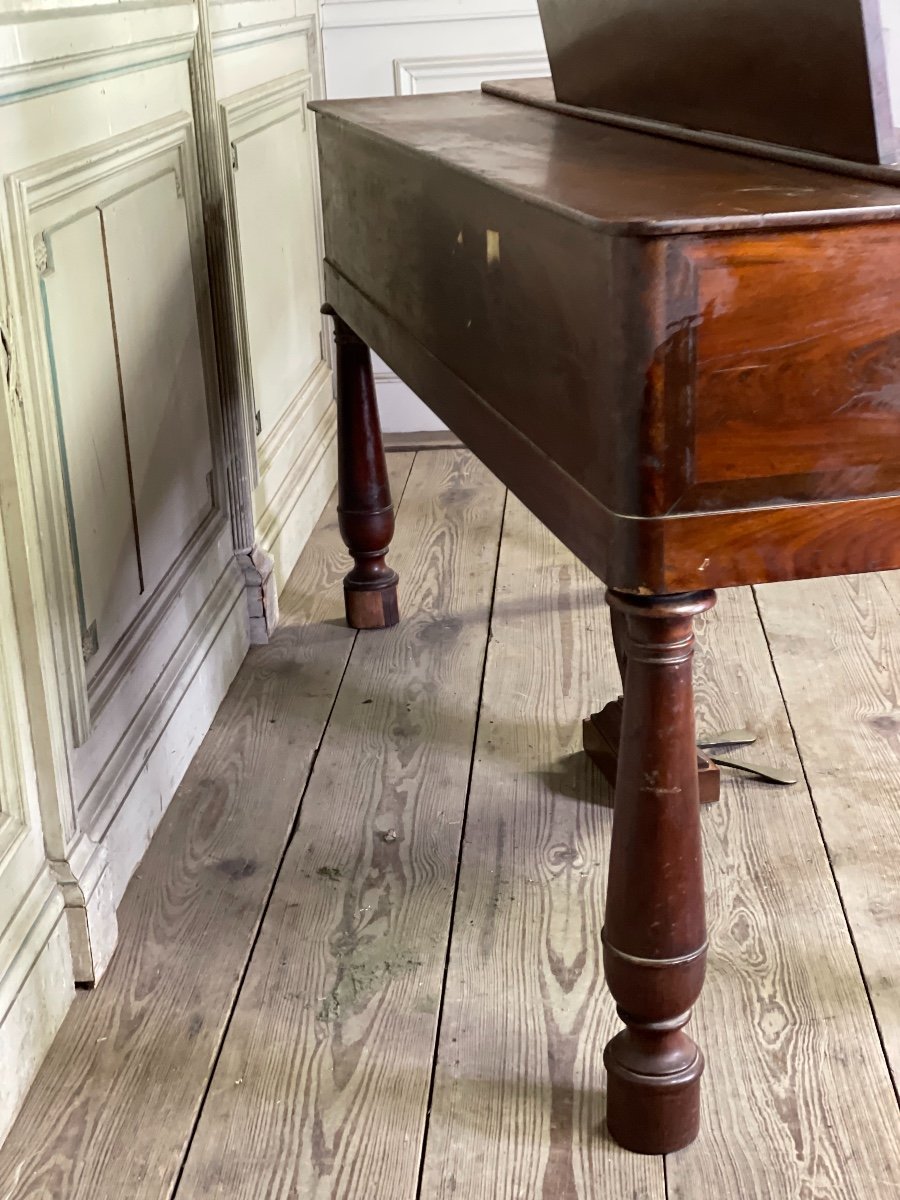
[654, 935]
[365, 512]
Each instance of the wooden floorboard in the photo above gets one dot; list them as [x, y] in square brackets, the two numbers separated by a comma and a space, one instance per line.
[322, 1086]
[519, 1092]
[115, 1102]
[797, 1098]
[836, 646]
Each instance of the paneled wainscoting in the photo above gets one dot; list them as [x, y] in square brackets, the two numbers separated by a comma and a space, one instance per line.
[361, 957]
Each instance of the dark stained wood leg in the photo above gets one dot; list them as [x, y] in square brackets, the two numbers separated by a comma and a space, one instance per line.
[365, 512]
[601, 731]
[619, 623]
[654, 935]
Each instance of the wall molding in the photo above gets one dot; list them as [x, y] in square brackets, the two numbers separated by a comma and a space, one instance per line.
[146, 624]
[26, 934]
[226, 28]
[242, 115]
[280, 435]
[92, 170]
[64, 47]
[107, 792]
[411, 73]
[228, 39]
[290, 488]
[355, 14]
[83, 879]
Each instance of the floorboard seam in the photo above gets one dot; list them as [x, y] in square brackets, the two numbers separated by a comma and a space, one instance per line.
[831, 868]
[891, 596]
[195, 1124]
[462, 839]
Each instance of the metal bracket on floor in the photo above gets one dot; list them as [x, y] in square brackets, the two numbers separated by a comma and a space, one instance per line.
[743, 737]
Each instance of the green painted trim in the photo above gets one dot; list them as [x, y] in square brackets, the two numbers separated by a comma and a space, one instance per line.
[83, 80]
[251, 43]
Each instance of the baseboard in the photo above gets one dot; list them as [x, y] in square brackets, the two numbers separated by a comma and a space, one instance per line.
[36, 990]
[427, 439]
[401, 409]
[85, 882]
[284, 527]
[141, 777]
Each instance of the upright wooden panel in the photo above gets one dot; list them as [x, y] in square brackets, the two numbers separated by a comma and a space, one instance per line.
[836, 646]
[518, 1103]
[115, 1104]
[93, 443]
[163, 384]
[323, 1082]
[275, 213]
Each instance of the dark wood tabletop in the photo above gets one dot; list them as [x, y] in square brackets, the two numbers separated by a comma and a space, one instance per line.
[616, 179]
[686, 361]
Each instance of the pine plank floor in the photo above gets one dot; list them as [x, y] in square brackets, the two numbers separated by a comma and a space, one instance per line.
[361, 957]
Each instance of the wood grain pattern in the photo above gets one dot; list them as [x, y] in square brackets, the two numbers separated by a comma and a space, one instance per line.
[793, 366]
[844, 701]
[322, 1086]
[115, 1101]
[718, 418]
[676, 553]
[797, 1097]
[518, 1105]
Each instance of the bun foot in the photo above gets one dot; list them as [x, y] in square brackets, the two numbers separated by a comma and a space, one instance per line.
[371, 608]
[652, 1114]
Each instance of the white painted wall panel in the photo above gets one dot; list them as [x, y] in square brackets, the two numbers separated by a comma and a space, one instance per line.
[92, 440]
[267, 69]
[163, 380]
[129, 599]
[276, 220]
[132, 609]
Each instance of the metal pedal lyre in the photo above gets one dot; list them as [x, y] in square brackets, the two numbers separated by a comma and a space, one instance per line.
[742, 737]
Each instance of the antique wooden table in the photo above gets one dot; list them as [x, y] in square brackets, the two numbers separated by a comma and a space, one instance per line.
[686, 362]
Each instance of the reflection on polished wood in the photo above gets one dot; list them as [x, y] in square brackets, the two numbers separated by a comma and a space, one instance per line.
[802, 74]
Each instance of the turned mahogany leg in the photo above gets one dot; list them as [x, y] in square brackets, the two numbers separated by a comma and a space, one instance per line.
[601, 731]
[654, 935]
[619, 623]
[365, 512]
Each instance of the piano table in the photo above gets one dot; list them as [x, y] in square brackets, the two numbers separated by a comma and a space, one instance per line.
[685, 360]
